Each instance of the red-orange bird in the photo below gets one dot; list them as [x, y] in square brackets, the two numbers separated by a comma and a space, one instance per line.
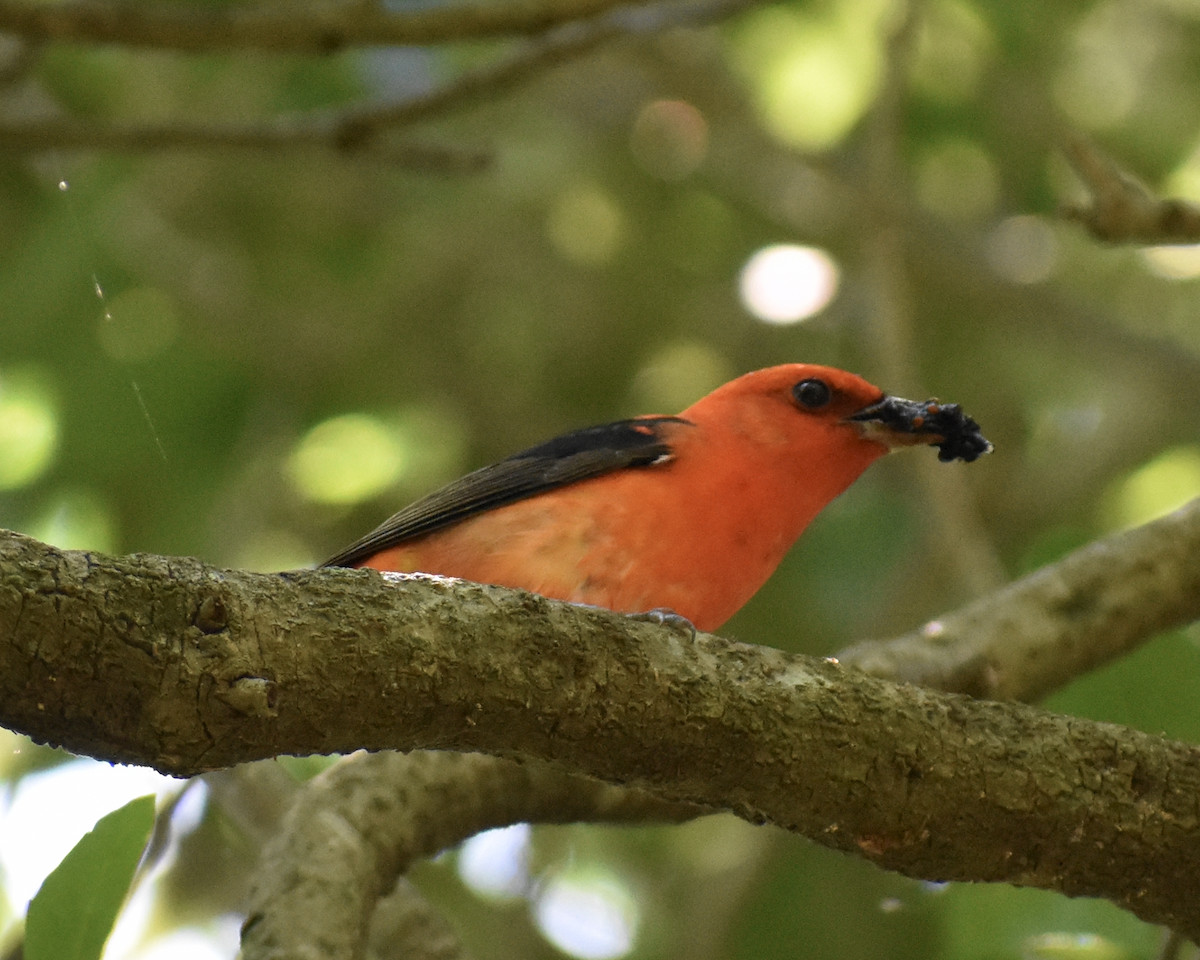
[690, 513]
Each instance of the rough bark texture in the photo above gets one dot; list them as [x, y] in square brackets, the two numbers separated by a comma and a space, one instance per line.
[359, 825]
[187, 668]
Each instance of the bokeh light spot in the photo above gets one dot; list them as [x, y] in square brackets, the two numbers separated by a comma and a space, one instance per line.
[495, 863]
[28, 432]
[669, 138]
[585, 226]
[76, 520]
[1108, 59]
[1071, 946]
[346, 459]
[588, 914]
[1173, 263]
[952, 45]
[814, 96]
[1022, 249]
[1164, 484]
[433, 444]
[138, 324]
[677, 376]
[1184, 180]
[786, 283]
[1096, 92]
[812, 77]
[957, 180]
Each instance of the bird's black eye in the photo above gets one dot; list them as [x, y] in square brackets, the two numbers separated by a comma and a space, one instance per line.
[812, 394]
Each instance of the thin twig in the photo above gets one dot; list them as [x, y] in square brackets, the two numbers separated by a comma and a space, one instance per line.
[490, 80]
[557, 47]
[321, 26]
[73, 134]
[1122, 209]
[356, 131]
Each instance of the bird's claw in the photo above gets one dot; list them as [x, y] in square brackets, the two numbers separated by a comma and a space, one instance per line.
[665, 616]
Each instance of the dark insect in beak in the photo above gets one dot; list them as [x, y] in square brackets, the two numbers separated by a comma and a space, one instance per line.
[899, 423]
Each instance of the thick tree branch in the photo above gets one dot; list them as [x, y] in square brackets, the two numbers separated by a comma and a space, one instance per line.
[359, 825]
[1057, 623]
[981, 653]
[405, 926]
[256, 797]
[1122, 209]
[185, 667]
[317, 26]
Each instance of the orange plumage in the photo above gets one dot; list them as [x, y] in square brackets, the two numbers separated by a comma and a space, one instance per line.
[690, 513]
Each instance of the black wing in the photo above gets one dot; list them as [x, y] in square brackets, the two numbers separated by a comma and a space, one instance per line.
[556, 463]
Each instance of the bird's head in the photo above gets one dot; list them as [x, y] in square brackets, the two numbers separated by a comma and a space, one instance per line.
[835, 403]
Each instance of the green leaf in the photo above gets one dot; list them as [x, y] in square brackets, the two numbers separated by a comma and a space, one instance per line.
[73, 913]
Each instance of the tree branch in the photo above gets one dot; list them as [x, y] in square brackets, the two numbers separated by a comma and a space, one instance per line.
[356, 130]
[1120, 208]
[256, 797]
[405, 926]
[317, 26]
[358, 826]
[74, 134]
[1058, 623]
[288, 908]
[184, 667]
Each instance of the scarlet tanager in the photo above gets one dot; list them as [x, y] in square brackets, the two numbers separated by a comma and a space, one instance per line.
[690, 513]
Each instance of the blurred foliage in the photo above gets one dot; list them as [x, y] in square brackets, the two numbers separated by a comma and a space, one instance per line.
[253, 358]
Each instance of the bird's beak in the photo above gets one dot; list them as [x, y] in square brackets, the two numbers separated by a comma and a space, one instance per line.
[896, 422]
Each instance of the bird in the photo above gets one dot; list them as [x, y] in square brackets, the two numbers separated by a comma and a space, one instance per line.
[685, 514]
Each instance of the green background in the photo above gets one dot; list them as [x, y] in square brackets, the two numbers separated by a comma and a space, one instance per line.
[255, 357]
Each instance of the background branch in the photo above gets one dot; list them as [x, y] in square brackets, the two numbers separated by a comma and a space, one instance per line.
[311, 27]
[358, 826]
[1122, 209]
[557, 47]
[356, 130]
[1058, 623]
[405, 926]
[74, 134]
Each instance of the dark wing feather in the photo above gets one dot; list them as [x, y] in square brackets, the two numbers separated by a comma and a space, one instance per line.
[564, 460]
